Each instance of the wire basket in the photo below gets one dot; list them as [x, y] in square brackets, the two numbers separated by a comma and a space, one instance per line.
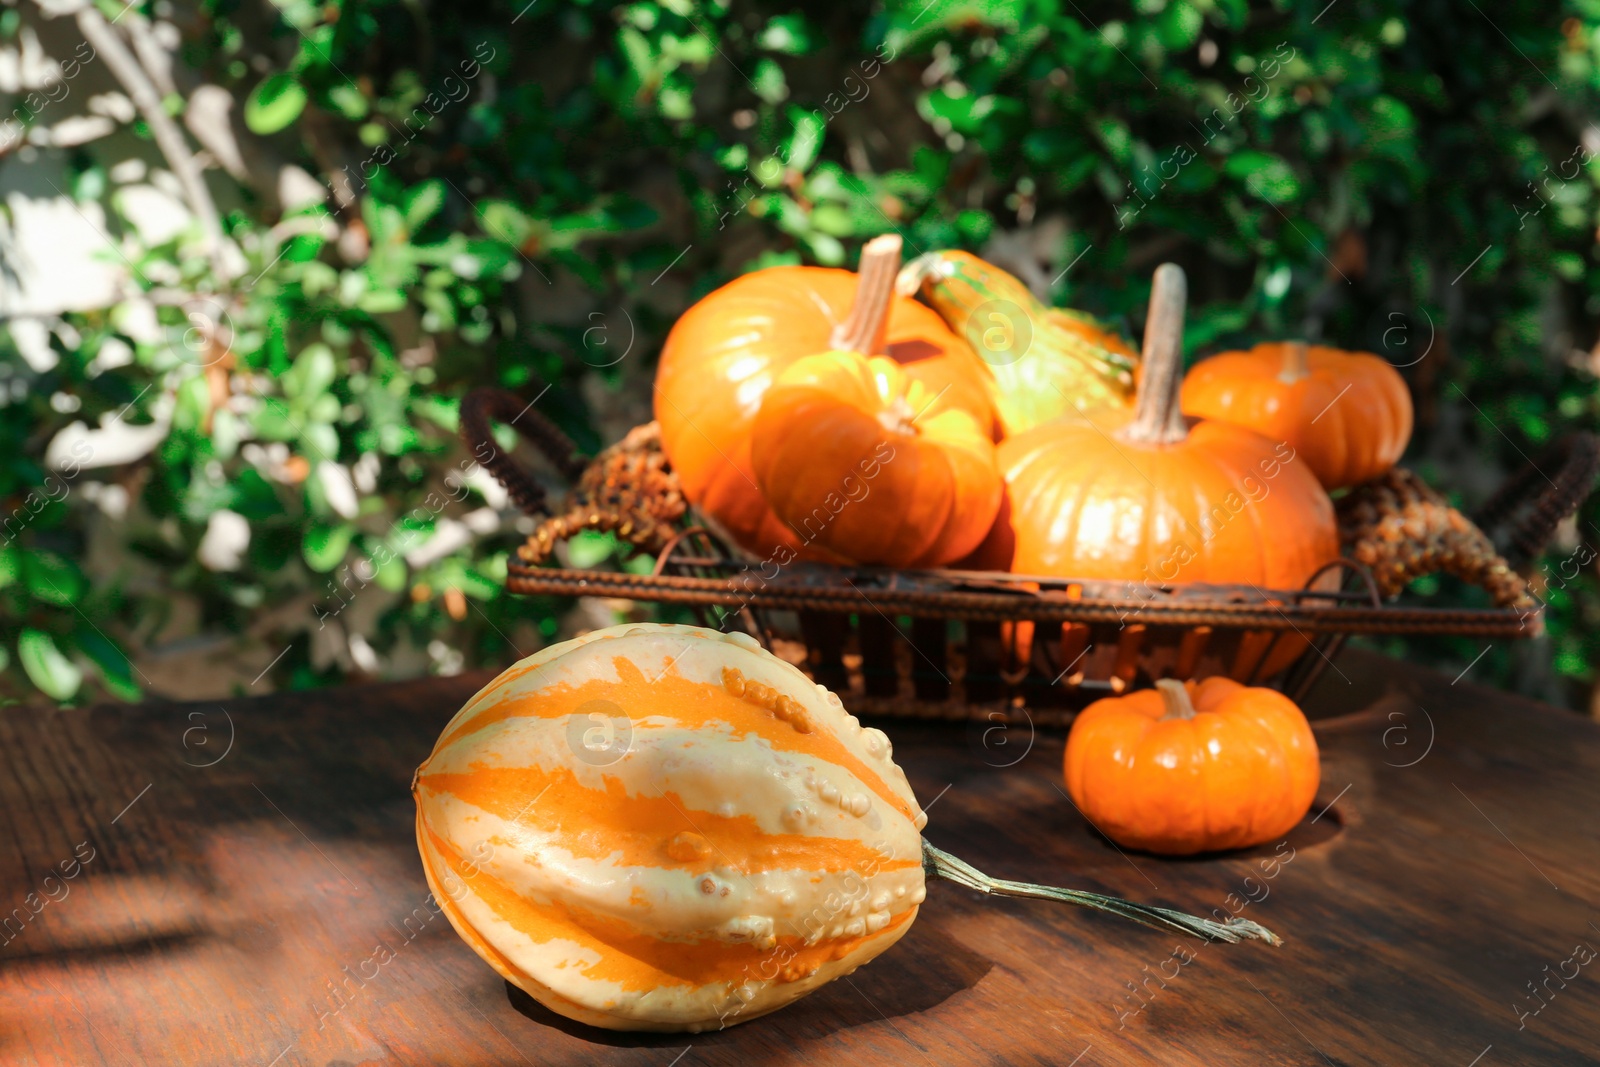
[981, 645]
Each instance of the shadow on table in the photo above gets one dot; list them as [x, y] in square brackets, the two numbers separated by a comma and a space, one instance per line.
[876, 993]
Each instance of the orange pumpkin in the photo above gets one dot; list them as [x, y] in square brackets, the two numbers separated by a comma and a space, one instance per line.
[1347, 414]
[861, 459]
[1188, 767]
[726, 350]
[1142, 496]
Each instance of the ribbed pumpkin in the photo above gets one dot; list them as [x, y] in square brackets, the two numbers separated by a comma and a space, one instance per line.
[1188, 767]
[861, 459]
[668, 828]
[726, 350]
[1347, 414]
[1141, 496]
[1041, 362]
[659, 828]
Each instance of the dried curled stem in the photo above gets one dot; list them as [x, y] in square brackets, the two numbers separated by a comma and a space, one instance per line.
[937, 863]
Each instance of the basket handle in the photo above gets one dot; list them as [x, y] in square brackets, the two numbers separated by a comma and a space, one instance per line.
[1524, 512]
[482, 404]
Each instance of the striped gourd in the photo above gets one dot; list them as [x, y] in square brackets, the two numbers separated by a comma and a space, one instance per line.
[1042, 362]
[668, 828]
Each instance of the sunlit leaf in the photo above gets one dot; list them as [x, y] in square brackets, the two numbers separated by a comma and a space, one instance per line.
[274, 103]
[46, 666]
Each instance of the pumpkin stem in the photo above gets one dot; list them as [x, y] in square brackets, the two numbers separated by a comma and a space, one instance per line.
[1295, 363]
[865, 328]
[1157, 419]
[898, 416]
[937, 863]
[1176, 697]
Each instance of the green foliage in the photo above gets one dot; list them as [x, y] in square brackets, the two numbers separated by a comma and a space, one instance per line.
[526, 194]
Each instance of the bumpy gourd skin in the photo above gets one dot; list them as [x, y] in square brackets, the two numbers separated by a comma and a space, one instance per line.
[667, 828]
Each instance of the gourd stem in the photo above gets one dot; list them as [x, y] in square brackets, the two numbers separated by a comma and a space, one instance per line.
[927, 266]
[1176, 698]
[937, 863]
[1157, 419]
[867, 325]
[1295, 362]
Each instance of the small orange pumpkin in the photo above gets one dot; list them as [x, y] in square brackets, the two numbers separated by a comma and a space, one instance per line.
[726, 350]
[864, 461]
[1142, 496]
[1347, 414]
[1187, 767]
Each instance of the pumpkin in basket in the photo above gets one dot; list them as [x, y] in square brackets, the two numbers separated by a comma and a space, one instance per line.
[668, 828]
[1346, 414]
[863, 460]
[1186, 767]
[726, 350]
[1141, 496]
[1040, 362]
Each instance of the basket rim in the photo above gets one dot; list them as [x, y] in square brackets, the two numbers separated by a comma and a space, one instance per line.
[951, 594]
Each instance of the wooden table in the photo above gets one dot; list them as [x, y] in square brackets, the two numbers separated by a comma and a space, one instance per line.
[235, 863]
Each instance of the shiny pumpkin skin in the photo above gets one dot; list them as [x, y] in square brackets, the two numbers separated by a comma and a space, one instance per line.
[865, 461]
[1224, 505]
[748, 842]
[1241, 772]
[726, 350]
[1349, 416]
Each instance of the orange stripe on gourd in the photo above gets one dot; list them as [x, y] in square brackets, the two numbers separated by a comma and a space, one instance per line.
[638, 962]
[645, 831]
[695, 705]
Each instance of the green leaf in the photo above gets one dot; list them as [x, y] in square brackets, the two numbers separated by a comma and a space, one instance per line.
[55, 675]
[477, 586]
[586, 548]
[1265, 175]
[788, 34]
[313, 372]
[274, 103]
[768, 81]
[806, 143]
[392, 573]
[349, 101]
[422, 202]
[505, 221]
[10, 565]
[382, 301]
[116, 670]
[324, 546]
[52, 579]
[1179, 26]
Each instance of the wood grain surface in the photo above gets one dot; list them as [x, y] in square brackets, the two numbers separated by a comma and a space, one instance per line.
[238, 884]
